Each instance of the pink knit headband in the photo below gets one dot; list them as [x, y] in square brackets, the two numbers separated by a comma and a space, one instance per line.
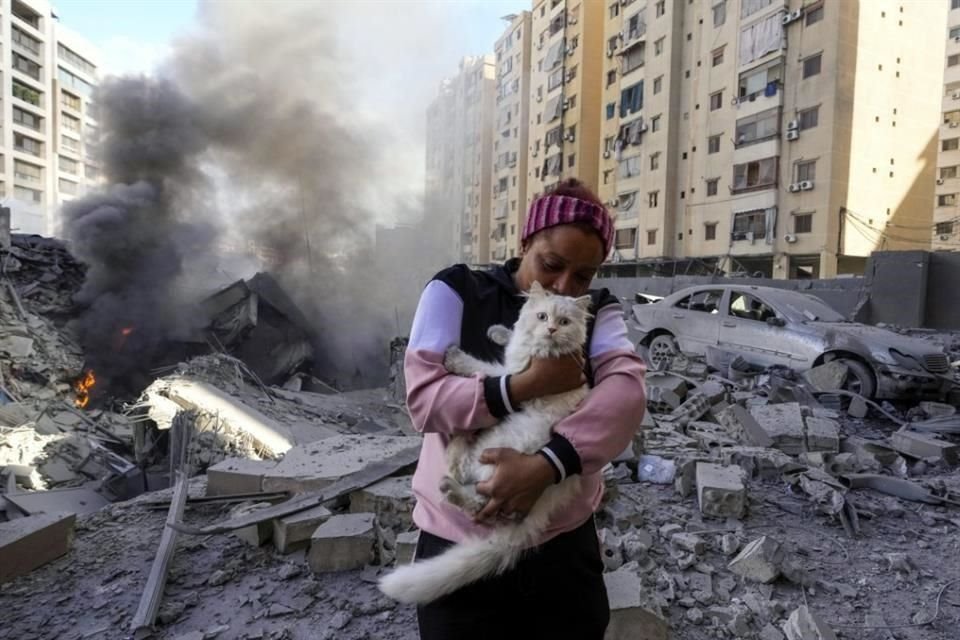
[551, 210]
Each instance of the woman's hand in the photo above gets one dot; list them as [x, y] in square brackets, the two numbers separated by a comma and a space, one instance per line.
[516, 484]
[546, 377]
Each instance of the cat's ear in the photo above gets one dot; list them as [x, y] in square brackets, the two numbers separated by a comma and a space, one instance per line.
[584, 302]
[536, 289]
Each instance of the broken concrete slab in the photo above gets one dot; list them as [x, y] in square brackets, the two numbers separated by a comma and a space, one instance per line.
[632, 615]
[391, 499]
[759, 561]
[343, 542]
[827, 377]
[79, 500]
[693, 408]
[313, 466]
[870, 452]
[293, 532]
[720, 491]
[237, 475]
[741, 424]
[804, 624]
[784, 424]
[857, 409]
[33, 541]
[406, 546]
[256, 534]
[758, 462]
[937, 409]
[823, 434]
[919, 445]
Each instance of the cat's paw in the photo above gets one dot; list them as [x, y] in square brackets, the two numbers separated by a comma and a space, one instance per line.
[499, 334]
[455, 361]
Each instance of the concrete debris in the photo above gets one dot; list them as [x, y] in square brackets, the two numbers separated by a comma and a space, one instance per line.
[759, 561]
[344, 542]
[31, 542]
[827, 377]
[632, 615]
[919, 445]
[293, 532]
[655, 469]
[937, 409]
[823, 434]
[406, 546]
[857, 408]
[720, 491]
[390, 499]
[804, 624]
[784, 424]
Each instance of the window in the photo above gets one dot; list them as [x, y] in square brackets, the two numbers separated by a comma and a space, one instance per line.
[27, 94]
[630, 167]
[748, 307]
[555, 79]
[718, 56]
[953, 60]
[712, 186]
[955, 33]
[655, 123]
[947, 200]
[954, 4]
[951, 117]
[809, 118]
[68, 165]
[652, 236]
[749, 222]
[611, 77]
[70, 144]
[803, 223]
[950, 144]
[661, 7]
[27, 171]
[633, 58]
[654, 161]
[948, 172]
[571, 102]
[944, 228]
[30, 195]
[713, 144]
[807, 170]
[27, 42]
[811, 66]
[763, 80]
[25, 13]
[707, 301]
[27, 119]
[652, 198]
[615, 9]
[69, 101]
[758, 127]
[720, 13]
[626, 238]
[716, 100]
[631, 99]
[611, 109]
[710, 231]
[657, 84]
[571, 160]
[658, 46]
[27, 145]
[749, 7]
[67, 186]
[813, 15]
[26, 65]
[755, 175]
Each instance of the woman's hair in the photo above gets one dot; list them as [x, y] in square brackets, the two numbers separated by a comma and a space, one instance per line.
[576, 189]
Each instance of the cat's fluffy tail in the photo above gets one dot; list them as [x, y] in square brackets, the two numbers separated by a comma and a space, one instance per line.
[458, 566]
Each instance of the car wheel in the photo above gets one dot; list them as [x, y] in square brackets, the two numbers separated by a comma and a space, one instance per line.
[662, 349]
[859, 378]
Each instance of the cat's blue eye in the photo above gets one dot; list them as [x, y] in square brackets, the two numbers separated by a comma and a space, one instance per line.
[541, 316]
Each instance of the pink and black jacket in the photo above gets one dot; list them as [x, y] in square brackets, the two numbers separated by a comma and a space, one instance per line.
[457, 307]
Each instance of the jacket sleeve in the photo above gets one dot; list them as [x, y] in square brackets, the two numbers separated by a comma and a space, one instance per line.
[437, 400]
[604, 424]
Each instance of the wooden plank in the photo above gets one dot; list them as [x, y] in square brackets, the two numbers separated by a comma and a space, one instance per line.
[348, 484]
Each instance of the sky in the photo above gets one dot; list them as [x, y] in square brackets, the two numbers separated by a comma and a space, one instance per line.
[133, 36]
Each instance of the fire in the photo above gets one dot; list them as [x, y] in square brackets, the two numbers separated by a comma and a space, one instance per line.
[126, 331]
[82, 386]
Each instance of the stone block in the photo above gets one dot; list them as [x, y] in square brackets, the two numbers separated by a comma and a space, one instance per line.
[313, 466]
[710, 435]
[406, 546]
[693, 408]
[344, 542]
[937, 409]
[758, 462]
[858, 409]
[237, 475]
[256, 534]
[720, 491]
[784, 424]
[869, 452]
[804, 624]
[632, 615]
[391, 500]
[33, 541]
[713, 390]
[611, 549]
[759, 561]
[919, 445]
[823, 435]
[742, 426]
[827, 377]
[689, 542]
[293, 532]
[685, 478]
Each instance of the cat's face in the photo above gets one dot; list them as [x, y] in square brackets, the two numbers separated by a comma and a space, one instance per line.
[552, 323]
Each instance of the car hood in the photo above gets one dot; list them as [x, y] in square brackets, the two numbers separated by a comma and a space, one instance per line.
[875, 338]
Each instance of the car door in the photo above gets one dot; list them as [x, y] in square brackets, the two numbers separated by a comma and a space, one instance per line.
[694, 320]
[744, 330]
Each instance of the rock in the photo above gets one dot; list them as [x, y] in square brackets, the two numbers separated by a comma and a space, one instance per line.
[655, 469]
[720, 491]
[340, 619]
[256, 534]
[218, 578]
[289, 571]
[391, 500]
[276, 610]
[759, 561]
[293, 532]
[822, 434]
[729, 544]
[689, 542]
[636, 543]
[406, 546]
[827, 377]
[667, 530]
[858, 409]
[343, 542]
[632, 616]
[170, 612]
[611, 549]
[803, 624]
[769, 632]
[694, 616]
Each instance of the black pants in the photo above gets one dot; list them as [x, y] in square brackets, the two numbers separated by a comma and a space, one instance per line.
[556, 591]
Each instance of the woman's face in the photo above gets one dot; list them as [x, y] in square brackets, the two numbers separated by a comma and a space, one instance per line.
[564, 259]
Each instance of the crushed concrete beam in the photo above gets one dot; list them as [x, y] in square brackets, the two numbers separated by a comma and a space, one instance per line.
[33, 541]
[804, 624]
[391, 500]
[406, 546]
[741, 424]
[632, 615]
[720, 491]
[784, 424]
[759, 561]
[343, 542]
[919, 445]
[293, 532]
[823, 434]
[236, 476]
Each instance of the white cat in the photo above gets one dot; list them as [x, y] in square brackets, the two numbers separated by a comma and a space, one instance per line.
[548, 326]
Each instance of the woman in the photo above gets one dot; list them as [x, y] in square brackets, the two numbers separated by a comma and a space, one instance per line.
[557, 589]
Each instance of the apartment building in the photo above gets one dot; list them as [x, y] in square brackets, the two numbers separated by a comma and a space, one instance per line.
[459, 149]
[510, 138]
[565, 89]
[946, 212]
[783, 138]
[48, 118]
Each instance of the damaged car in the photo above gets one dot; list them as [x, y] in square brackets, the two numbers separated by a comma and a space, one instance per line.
[770, 327]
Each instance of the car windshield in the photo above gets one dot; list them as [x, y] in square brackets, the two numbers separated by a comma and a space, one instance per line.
[810, 309]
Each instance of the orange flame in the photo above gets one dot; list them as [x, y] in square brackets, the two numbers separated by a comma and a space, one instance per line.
[82, 386]
[126, 331]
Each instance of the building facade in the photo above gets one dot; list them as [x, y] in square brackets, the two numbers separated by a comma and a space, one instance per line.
[946, 212]
[50, 74]
[768, 137]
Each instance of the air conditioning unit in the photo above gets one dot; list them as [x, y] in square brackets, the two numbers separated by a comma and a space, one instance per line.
[944, 237]
[954, 125]
[791, 238]
[793, 124]
[735, 101]
[793, 135]
[794, 187]
[539, 98]
[606, 154]
[956, 95]
[806, 185]
[786, 19]
[939, 180]
[643, 127]
[565, 104]
[609, 53]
